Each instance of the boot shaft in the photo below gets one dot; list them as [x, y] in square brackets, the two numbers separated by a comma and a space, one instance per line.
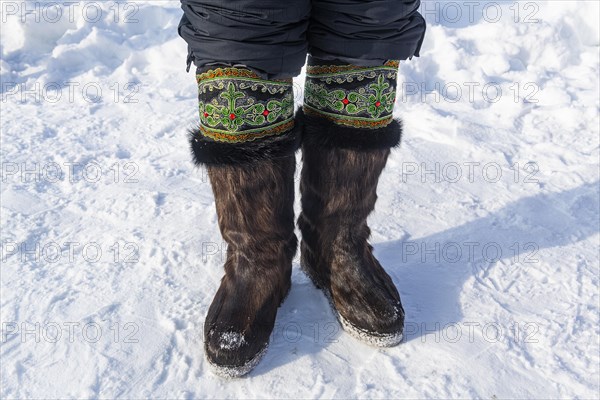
[340, 184]
[254, 204]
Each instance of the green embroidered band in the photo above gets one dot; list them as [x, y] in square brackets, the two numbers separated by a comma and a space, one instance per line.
[360, 97]
[236, 105]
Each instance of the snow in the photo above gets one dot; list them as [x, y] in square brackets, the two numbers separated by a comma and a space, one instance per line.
[232, 340]
[487, 219]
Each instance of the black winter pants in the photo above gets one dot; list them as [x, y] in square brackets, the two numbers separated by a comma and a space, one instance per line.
[273, 37]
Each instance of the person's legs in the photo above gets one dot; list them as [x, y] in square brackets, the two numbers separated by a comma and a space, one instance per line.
[246, 53]
[349, 98]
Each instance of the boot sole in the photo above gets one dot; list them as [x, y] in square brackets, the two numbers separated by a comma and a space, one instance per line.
[371, 338]
[231, 372]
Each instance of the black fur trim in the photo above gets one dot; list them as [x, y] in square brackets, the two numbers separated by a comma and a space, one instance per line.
[206, 151]
[319, 131]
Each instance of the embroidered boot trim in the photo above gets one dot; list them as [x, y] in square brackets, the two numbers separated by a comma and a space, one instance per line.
[236, 105]
[350, 95]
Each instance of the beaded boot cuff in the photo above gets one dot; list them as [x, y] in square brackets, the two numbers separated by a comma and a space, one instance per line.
[350, 95]
[236, 105]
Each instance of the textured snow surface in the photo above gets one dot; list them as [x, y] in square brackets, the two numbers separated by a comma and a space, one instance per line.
[487, 218]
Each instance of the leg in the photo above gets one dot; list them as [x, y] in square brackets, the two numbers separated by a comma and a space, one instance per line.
[247, 138]
[348, 104]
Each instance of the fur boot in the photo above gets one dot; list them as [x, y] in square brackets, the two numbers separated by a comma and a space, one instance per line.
[256, 217]
[246, 140]
[343, 157]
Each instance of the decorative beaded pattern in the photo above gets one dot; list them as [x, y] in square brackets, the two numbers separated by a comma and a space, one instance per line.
[360, 97]
[236, 105]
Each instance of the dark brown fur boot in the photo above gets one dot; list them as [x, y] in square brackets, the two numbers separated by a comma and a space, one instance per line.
[246, 140]
[254, 199]
[256, 218]
[340, 172]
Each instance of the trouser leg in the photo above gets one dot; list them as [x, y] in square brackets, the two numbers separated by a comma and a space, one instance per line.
[267, 36]
[365, 32]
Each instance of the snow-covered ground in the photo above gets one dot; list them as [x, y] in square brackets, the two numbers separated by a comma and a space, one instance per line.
[488, 219]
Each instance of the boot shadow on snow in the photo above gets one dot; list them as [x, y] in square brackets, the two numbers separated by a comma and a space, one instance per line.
[431, 283]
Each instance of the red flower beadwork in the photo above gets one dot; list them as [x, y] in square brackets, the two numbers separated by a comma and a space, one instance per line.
[377, 104]
[345, 101]
[232, 116]
[266, 112]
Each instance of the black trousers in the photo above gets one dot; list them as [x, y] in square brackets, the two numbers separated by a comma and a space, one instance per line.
[273, 37]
